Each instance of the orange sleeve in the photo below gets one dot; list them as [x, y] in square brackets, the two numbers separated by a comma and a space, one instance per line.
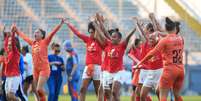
[159, 47]
[24, 37]
[52, 33]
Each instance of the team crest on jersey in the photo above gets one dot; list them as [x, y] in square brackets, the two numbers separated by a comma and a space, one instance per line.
[92, 47]
[113, 53]
[36, 48]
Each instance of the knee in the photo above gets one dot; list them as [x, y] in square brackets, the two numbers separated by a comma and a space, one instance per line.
[137, 91]
[143, 96]
[107, 95]
[83, 89]
[40, 92]
[115, 94]
[177, 96]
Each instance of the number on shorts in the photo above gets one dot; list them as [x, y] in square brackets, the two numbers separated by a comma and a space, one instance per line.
[177, 56]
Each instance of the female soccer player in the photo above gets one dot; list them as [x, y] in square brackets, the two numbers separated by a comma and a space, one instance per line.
[40, 57]
[114, 51]
[73, 71]
[92, 69]
[12, 71]
[155, 68]
[143, 72]
[171, 48]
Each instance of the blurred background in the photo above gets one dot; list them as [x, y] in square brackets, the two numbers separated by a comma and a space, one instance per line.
[32, 14]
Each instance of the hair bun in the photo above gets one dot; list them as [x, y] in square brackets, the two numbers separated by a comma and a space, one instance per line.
[168, 20]
[117, 29]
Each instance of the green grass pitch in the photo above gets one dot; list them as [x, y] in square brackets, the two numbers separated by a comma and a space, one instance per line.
[123, 98]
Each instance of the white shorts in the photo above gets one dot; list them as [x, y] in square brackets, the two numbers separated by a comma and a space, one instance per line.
[12, 84]
[152, 79]
[143, 76]
[109, 78]
[97, 73]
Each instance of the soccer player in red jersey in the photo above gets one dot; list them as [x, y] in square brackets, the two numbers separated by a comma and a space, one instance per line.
[143, 72]
[92, 69]
[114, 51]
[171, 48]
[11, 62]
[39, 46]
[154, 70]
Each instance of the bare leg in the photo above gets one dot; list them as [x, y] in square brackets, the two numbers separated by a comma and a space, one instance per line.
[144, 93]
[41, 82]
[83, 89]
[96, 86]
[116, 91]
[163, 94]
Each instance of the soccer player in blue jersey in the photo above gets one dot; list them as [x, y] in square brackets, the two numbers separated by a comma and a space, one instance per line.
[72, 70]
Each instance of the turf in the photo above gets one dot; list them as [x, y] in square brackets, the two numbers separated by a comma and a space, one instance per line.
[123, 98]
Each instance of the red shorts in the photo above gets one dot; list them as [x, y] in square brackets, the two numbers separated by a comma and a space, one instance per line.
[136, 77]
[45, 72]
[172, 77]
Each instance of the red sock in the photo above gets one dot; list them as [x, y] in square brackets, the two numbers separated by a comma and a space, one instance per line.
[163, 99]
[105, 99]
[41, 94]
[148, 98]
[137, 98]
[180, 99]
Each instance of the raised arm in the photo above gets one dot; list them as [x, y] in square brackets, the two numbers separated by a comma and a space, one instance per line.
[23, 36]
[6, 43]
[129, 35]
[155, 23]
[101, 21]
[140, 28]
[100, 36]
[13, 40]
[54, 31]
[77, 32]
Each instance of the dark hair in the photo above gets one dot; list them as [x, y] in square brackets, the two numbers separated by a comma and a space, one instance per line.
[137, 41]
[43, 32]
[56, 45]
[177, 26]
[18, 44]
[116, 30]
[2, 51]
[169, 25]
[26, 49]
[111, 31]
[150, 27]
[91, 26]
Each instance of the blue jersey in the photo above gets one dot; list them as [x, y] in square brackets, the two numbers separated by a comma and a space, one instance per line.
[21, 64]
[55, 69]
[72, 60]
